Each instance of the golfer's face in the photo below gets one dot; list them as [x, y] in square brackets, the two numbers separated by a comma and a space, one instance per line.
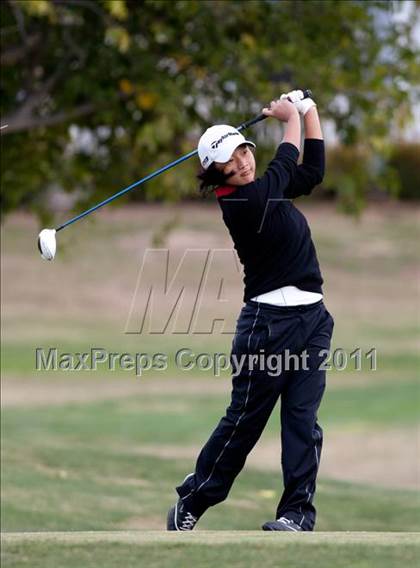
[241, 165]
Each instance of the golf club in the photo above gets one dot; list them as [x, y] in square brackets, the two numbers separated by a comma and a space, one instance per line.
[47, 237]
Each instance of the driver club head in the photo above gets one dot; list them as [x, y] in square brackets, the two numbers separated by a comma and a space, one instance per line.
[47, 244]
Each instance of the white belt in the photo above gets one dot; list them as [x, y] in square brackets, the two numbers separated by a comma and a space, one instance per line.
[288, 296]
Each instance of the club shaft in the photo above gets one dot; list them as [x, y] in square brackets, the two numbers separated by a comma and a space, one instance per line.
[307, 93]
[127, 189]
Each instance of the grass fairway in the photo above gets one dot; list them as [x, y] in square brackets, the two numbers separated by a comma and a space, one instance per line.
[97, 455]
[113, 464]
[210, 548]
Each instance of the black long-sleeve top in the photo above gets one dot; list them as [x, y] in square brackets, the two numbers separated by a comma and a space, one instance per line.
[271, 236]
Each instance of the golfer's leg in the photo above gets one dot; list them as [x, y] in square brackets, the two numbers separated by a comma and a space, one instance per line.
[224, 455]
[302, 435]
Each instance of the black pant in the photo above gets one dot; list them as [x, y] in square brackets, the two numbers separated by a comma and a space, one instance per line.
[297, 338]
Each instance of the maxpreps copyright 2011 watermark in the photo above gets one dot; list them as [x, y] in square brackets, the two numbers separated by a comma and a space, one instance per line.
[99, 359]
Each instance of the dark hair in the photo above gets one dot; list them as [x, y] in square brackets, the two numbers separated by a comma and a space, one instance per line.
[211, 178]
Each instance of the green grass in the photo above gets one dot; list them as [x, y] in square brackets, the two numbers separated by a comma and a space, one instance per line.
[77, 467]
[112, 465]
[390, 403]
[187, 418]
[208, 549]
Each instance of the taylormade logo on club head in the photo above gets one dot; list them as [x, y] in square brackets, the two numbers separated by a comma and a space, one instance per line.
[216, 143]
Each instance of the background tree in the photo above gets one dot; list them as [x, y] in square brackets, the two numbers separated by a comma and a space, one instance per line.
[98, 93]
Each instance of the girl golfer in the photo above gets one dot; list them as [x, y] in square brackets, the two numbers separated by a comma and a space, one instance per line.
[283, 313]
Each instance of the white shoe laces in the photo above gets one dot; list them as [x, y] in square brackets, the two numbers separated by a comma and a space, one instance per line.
[290, 524]
[284, 520]
[188, 522]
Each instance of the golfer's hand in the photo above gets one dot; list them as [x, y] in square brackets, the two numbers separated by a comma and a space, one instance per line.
[296, 97]
[284, 110]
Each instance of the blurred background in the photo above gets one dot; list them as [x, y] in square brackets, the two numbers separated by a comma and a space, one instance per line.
[111, 90]
[97, 94]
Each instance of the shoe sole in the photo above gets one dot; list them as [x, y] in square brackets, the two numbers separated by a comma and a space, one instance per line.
[266, 527]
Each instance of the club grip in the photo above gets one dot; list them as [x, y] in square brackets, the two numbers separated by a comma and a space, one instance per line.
[307, 94]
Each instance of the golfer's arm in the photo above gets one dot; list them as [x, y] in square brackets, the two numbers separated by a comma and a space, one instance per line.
[311, 171]
[312, 124]
[292, 130]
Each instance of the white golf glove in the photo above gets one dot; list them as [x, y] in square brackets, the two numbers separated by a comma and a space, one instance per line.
[302, 105]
